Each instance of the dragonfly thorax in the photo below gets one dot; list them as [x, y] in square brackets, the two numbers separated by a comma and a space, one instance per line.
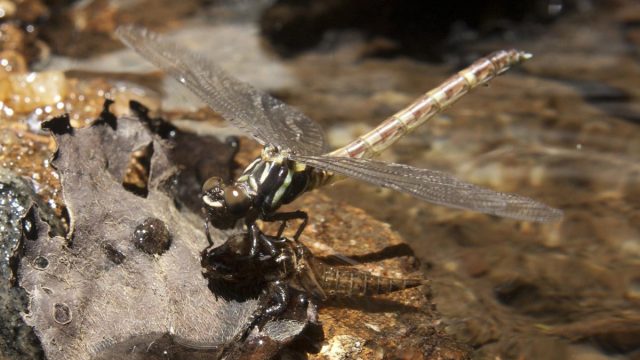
[273, 154]
[268, 182]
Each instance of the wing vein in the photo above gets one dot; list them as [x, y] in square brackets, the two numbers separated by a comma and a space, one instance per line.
[257, 113]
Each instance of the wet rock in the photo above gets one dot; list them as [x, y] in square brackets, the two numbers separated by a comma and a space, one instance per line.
[17, 340]
[29, 98]
[343, 347]
[27, 155]
[32, 90]
[17, 220]
[15, 200]
[97, 283]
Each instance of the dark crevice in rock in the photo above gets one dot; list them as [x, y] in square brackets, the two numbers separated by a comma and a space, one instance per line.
[29, 229]
[136, 176]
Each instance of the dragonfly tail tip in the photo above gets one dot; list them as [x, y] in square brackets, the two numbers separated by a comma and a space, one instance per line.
[524, 56]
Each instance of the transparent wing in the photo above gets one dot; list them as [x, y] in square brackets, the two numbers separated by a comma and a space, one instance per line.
[267, 119]
[435, 187]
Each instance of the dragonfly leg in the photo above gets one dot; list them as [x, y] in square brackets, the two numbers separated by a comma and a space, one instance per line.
[305, 220]
[207, 232]
[287, 216]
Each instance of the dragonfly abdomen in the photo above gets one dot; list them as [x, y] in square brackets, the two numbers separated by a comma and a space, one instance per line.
[338, 281]
[431, 103]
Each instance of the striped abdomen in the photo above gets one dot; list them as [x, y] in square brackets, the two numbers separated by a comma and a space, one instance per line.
[431, 103]
[344, 281]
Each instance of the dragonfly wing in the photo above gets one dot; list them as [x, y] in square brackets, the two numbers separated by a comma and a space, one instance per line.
[435, 187]
[257, 113]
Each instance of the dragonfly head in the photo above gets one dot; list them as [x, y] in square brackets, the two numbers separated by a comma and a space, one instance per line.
[224, 204]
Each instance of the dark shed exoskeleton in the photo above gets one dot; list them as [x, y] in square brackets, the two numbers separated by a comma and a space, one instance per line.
[281, 264]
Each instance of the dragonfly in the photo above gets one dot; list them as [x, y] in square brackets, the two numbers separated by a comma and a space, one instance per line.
[295, 157]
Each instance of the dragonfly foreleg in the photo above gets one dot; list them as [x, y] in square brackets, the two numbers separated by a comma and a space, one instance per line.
[287, 216]
[207, 232]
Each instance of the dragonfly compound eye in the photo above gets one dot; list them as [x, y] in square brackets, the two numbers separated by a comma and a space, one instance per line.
[224, 205]
[237, 200]
[213, 195]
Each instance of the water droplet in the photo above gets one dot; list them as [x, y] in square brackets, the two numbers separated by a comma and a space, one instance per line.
[152, 236]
